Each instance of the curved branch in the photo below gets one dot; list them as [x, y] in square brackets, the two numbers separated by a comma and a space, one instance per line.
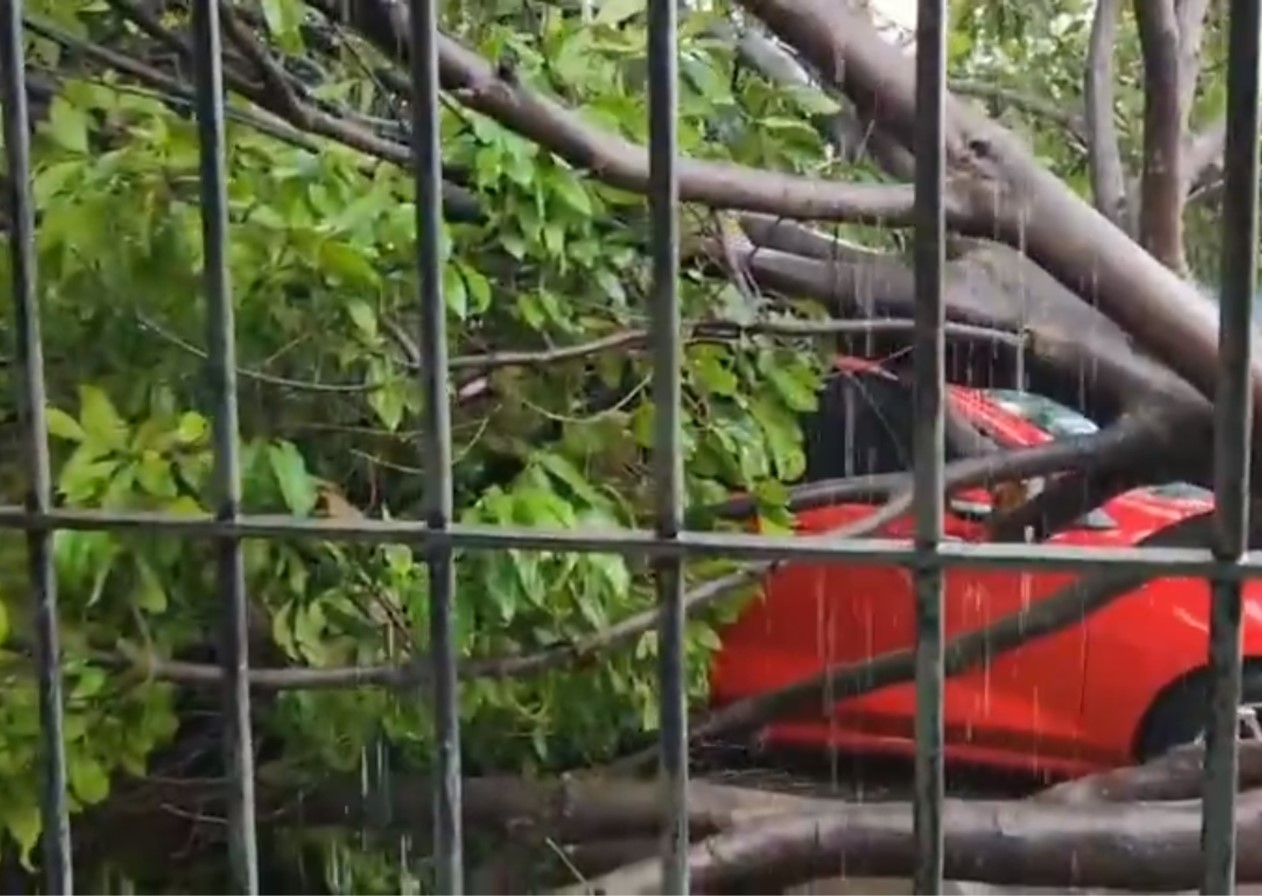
[1160, 454]
[1104, 155]
[1162, 182]
[617, 161]
[1138, 846]
[694, 332]
[1191, 21]
[1025, 102]
[459, 204]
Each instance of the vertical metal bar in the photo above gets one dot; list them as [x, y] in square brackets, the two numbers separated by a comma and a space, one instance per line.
[928, 448]
[1232, 431]
[31, 401]
[448, 834]
[221, 371]
[664, 322]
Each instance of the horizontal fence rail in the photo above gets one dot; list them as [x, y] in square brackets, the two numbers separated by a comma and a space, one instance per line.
[1227, 564]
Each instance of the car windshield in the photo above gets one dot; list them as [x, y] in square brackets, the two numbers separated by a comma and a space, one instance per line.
[1061, 422]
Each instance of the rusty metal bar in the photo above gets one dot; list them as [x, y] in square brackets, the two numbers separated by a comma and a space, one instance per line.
[448, 831]
[1156, 560]
[928, 447]
[29, 352]
[1232, 431]
[664, 339]
[221, 372]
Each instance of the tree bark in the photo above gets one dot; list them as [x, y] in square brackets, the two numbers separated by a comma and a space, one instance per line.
[1144, 846]
[1162, 183]
[1166, 316]
[1104, 156]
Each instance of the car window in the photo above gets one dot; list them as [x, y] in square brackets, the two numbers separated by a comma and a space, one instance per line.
[1050, 416]
[862, 426]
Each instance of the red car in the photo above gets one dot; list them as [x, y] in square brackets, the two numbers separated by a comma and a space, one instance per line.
[1128, 683]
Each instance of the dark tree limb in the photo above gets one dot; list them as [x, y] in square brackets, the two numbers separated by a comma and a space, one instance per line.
[1178, 775]
[459, 204]
[1104, 156]
[1030, 104]
[474, 82]
[1143, 846]
[1027, 206]
[1162, 183]
[1191, 15]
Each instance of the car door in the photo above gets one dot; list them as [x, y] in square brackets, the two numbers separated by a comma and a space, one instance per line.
[859, 611]
[1023, 702]
[815, 614]
[1028, 700]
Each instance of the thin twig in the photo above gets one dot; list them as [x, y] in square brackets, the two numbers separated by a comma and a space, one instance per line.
[698, 331]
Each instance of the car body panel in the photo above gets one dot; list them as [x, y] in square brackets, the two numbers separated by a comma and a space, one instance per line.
[1064, 704]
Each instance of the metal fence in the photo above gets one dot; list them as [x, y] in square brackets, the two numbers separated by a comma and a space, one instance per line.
[1227, 565]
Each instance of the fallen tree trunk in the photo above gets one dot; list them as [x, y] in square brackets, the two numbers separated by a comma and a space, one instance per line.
[1151, 846]
[1027, 206]
[1178, 775]
[598, 822]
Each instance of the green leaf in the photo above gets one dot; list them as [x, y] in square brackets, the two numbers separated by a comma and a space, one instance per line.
[22, 821]
[4, 620]
[573, 194]
[712, 374]
[812, 101]
[151, 596]
[454, 292]
[566, 472]
[613, 569]
[348, 264]
[296, 485]
[479, 289]
[50, 181]
[615, 12]
[364, 317]
[611, 286]
[309, 624]
[101, 423]
[154, 475]
[83, 475]
[796, 393]
[89, 780]
[275, 14]
[389, 402]
[62, 426]
[191, 429]
[67, 125]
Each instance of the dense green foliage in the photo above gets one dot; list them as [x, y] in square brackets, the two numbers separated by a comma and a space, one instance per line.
[324, 278]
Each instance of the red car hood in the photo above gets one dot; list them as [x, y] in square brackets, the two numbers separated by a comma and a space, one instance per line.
[1143, 511]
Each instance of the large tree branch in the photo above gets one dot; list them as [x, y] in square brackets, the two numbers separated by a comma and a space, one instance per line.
[1191, 16]
[1036, 106]
[599, 821]
[613, 159]
[1162, 191]
[1071, 351]
[459, 204]
[1148, 846]
[1028, 206]
[1104, 155]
